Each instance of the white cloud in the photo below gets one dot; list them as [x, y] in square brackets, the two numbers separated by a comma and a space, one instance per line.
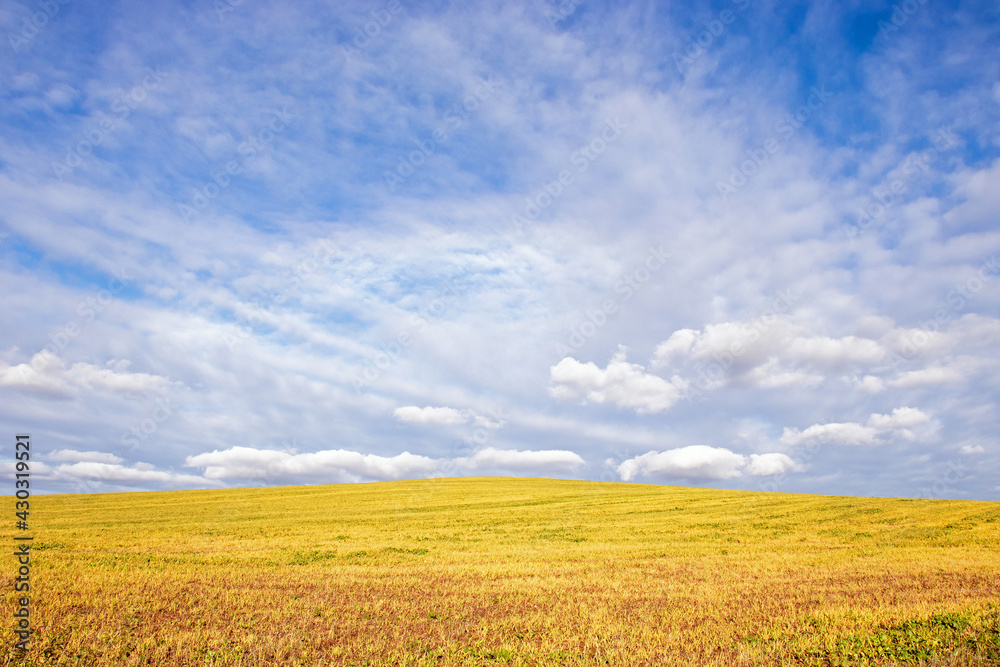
[834, 352]
[92, 457]
[780, 354]
[47, 374]
[446, 416]
[769, 354]
[430, 415]
[771, 464]
[704, 462]
[852, 433]
[240, 463]
[139, 474]
[540, 461]
[870, 384]
[692, 462]
[44, 374]
[973, 449]
[39, 470]
[848, 433]
[340, 465]
[621, 383]
[741, 343]
[333, 464]
[900, 418]
[771, 376]
[680, 342]
[982, 200]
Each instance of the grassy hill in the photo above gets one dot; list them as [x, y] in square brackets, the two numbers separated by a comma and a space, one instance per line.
[484, 571]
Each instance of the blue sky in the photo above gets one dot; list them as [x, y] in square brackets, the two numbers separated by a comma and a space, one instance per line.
[738, 244]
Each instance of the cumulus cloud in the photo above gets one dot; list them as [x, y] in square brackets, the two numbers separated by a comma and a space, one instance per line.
[972, 449]
[878, 428]
[900, 418]
[336, 465]
[696, 461]
[739, 343]
[762, 465]
[701, 462]
[621, 383]
[90, 457]
[679, 343]
[45, 374]
[537, 461]
[48, 374]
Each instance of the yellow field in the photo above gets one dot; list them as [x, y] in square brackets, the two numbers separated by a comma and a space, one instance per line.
[511, 571]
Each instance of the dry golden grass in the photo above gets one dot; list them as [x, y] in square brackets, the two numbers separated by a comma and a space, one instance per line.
[509, 571]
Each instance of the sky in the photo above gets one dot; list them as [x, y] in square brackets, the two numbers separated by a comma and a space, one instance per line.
[736, 244]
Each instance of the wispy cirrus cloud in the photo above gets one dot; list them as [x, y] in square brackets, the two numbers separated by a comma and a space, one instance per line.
[702, 462]
[620, 383]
